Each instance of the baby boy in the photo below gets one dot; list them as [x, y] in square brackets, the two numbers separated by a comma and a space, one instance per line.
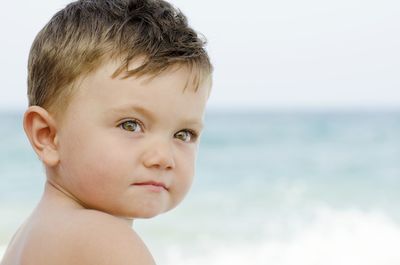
[117, 91]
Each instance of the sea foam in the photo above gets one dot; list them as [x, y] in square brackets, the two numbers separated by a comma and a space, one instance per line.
[334, 237]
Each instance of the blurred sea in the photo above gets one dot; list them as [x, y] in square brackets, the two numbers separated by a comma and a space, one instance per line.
[276, 188]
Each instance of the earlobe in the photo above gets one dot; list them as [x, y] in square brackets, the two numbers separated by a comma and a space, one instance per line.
[41, 130]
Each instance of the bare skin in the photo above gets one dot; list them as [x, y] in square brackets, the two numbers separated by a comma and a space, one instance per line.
[124, 149]
[59, 222]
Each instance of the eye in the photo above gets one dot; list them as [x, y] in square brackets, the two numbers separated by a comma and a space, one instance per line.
[186, 136]
[131, 125]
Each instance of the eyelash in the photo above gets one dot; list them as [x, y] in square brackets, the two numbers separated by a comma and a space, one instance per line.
[139, 123]
[193, 134]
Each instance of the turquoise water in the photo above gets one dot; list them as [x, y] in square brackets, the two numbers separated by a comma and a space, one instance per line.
[271, 188]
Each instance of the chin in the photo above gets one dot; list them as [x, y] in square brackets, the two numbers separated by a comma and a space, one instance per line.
[146, 216]
[151, 214]
[146, 213]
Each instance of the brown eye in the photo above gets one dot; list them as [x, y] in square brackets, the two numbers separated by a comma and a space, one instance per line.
[185, 136]
[132, 126]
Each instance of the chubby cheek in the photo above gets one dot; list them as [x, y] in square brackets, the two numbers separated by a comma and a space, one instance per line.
[94, 169]
[185, 171]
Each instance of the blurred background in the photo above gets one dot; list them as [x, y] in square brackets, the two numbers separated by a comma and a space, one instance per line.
[300, 159]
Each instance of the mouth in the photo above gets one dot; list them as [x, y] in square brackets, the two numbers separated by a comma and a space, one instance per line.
[152, 185]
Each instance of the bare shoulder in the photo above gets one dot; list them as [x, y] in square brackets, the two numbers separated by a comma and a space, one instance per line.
[99, 238]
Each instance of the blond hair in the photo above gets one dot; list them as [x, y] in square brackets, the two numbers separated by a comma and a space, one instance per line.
[82, 36]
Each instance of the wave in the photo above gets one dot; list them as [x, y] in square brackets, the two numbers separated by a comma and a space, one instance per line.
[334, 237]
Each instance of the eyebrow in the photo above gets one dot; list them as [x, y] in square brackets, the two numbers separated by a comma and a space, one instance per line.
[138, 109]
[152, 116]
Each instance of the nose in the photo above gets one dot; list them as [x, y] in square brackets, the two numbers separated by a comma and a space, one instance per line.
[160, 155]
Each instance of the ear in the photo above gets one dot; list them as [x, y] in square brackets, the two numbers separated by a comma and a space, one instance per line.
[40, 127]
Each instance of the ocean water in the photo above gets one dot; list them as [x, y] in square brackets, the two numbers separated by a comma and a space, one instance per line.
[276, 188]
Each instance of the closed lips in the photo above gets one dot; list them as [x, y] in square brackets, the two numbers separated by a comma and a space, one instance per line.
[152, 183]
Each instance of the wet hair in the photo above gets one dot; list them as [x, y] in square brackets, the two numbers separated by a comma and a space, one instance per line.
[87, 33]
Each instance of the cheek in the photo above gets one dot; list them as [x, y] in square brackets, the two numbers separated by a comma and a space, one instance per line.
[93, 164]
[186, 169]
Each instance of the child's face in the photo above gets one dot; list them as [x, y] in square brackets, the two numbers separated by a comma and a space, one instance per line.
[121, 138]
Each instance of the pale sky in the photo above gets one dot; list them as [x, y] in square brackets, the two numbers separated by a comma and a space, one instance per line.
[266, 54]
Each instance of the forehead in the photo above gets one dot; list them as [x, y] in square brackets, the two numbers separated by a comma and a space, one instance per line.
[191, 76]
[169, 88]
